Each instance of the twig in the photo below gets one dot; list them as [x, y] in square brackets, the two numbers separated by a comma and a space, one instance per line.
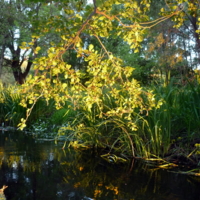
[83, 26]
[102, 45]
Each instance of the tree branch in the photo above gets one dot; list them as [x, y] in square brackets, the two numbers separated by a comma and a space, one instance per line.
[83, 26]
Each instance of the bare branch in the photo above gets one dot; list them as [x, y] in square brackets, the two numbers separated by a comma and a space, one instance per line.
[102, 44]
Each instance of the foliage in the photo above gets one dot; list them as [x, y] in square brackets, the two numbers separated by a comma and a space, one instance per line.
[16, 28]
[10, 110]
[188, 23]
[180, 113]
[19, 22]
[174, 46]
[108, 98]
[110, 108]
[48, 125]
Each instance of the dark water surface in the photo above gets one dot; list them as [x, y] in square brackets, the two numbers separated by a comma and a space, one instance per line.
[39, 170]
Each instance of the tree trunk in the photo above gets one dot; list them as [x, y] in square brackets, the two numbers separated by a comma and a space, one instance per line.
[2, 58]
[20, 76]
[194, 22]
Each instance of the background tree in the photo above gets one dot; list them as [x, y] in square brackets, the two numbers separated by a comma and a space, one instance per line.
[17, 28]
[175, 45]
[20, 24]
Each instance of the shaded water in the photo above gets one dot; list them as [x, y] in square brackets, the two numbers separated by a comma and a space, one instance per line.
[39, 170]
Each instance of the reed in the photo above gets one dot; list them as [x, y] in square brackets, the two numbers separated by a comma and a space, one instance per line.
[178, 117]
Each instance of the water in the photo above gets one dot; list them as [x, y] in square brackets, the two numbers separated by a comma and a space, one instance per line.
[39, 170]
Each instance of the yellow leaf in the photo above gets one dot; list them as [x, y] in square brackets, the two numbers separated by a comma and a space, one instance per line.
[64, 85]
[111, 56]
[162, 10]
[136, 50]
[101, 18]
[91, 47]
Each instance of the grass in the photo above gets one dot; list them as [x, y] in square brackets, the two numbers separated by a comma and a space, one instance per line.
[176, 121]
[175, 124]
[11, 111]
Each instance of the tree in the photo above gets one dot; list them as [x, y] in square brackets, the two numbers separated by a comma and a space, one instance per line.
[16, 29]
[172, 46]
[19, 23]
[187, 23]
[3, 32]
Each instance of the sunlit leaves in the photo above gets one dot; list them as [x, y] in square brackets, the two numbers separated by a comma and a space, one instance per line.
[108, 92]
[69, 12]
[91, 47]
[182, 9]
[36, 50]
[22, 124]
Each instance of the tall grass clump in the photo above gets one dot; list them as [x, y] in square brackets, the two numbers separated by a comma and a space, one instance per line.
[10, 110]
[90, 128]
[177, 118]
[155, 129]
[111, 122]
[186, 111]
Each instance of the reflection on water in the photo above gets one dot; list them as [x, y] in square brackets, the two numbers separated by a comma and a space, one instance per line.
[39, 170]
